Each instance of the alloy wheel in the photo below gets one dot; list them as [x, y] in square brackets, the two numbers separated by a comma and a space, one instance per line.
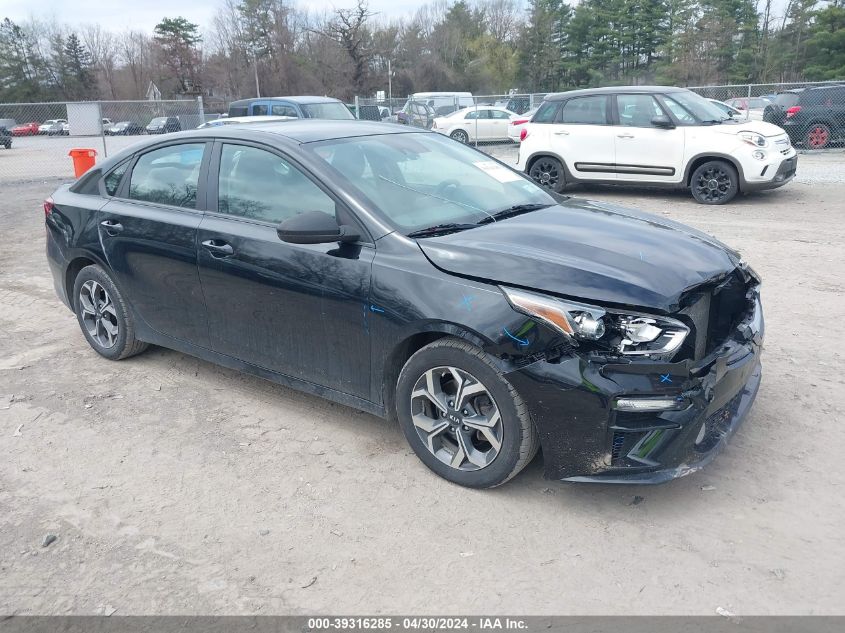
[545, 173]
[713, 184]
[460, 136]
[818, 137]
[98, 314]
[456, 418]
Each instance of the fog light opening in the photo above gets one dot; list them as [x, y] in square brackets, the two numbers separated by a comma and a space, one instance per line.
[671, 403]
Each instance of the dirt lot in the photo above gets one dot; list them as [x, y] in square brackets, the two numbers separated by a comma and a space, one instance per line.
[175, 486]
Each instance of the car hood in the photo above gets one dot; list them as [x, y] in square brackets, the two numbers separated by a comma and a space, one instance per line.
[746, 125]
[591, 251]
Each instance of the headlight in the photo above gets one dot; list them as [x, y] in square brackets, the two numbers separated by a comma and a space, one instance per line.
[628, 333]
[752, 138]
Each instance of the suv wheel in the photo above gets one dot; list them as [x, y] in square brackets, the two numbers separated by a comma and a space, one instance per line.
[817, 136]
[103, 315]
[549, 173]
[460, 136]
[714, 182]
[463, 419]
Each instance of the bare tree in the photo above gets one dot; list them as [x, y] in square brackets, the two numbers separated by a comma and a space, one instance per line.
[102, 45]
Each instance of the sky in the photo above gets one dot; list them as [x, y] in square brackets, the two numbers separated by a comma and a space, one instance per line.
[119, 15]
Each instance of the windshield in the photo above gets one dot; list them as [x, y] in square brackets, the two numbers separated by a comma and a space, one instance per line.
[420, 180]
[693, 108]
[327, 111]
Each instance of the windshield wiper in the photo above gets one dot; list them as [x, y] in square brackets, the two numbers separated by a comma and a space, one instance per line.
[713, 121]
[441, 229]
[517, 209]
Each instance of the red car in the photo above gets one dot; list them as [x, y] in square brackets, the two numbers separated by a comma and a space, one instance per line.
[25, 129]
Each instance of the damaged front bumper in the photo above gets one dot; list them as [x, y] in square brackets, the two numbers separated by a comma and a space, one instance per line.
[586, 436]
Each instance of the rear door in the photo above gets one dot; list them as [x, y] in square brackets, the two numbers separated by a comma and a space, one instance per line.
[478, 124]
[645, 153]
[148, 231]
[582, 135]
[499, 122]
[296, 309]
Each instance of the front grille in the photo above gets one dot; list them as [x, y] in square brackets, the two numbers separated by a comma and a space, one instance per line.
[718, 424]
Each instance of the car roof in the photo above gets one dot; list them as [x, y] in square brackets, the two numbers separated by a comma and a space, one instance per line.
[558, 96]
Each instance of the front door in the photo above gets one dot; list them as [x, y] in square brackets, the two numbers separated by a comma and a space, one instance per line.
[296, 309]
[149, 231]
[645, 152]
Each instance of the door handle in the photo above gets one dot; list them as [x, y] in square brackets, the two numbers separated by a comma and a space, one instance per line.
[218, 248]
[112, 227]
[626, 135]
[562, 133]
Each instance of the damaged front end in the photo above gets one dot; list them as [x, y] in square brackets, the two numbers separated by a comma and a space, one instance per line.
[614, 411]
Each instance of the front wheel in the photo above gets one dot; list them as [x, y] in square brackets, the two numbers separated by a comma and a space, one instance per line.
[817, 136]
[460, 136]
[103, 315]
[714, 182]
[462, 418]
[548, 172]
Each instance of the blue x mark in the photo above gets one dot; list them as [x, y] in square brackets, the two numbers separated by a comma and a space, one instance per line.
[665, 378]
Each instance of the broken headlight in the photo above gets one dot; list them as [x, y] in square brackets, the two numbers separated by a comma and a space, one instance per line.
[628, 333]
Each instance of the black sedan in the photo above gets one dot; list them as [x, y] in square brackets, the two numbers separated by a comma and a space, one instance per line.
[404, 274]
[124, 128]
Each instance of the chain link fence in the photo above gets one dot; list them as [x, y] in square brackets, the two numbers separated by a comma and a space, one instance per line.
[35, 138]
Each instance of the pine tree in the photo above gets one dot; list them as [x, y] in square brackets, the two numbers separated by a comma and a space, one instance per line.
[77, 73]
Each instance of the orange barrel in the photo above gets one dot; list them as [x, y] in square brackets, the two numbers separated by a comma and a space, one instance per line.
[83, 160]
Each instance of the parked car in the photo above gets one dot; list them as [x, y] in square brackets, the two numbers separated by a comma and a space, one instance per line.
[302, 107]
[732, 112]
[124, 128]
[443, 103]
[814, 116]
[518, 123]
[519, 104]
[372, 112]
[754, 106]
[164, 125]
[60, 128]
[243, 120]
[25, 129]
[5, 137]
[489, 316]
[476, 124]
[107, 123]
[50, 124]
[416, 114]
[653, 135]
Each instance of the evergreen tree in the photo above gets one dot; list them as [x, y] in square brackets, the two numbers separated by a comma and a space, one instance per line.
[77, 74]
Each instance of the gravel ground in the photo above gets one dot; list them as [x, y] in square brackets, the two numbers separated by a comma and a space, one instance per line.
[175, 486]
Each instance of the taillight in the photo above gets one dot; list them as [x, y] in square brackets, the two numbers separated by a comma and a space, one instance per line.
[519, 121]
[792, 111]
[523, 134]
[48, 206]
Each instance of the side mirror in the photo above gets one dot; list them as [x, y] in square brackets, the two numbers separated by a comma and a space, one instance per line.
[662, 121]
[314, 227]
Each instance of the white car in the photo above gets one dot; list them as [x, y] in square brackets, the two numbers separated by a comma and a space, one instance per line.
[45, 128]
[516, 125]
[653, 135]
[735, 114]
[478, 123]
[753, 106]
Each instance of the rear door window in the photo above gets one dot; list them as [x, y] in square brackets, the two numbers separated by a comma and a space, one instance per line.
[284, 110]
[259, 109]
[113, 178]
[590, 110]
[168, 175]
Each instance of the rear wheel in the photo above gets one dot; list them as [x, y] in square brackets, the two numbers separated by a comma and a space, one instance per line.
[462, 418]
[461, 136]
[714, 182]
[103, 315]
[817, 136]
[549, 173]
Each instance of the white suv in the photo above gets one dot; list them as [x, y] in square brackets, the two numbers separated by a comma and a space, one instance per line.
[653, 135]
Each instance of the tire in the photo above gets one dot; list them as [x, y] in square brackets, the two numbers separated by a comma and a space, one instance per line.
[714, 182]
[461, 136]
[473, 423]
[818, 136]
[548, 172]
[107, 323]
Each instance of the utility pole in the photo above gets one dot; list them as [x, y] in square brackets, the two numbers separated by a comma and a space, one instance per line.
[389, 85]
[255, 69]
